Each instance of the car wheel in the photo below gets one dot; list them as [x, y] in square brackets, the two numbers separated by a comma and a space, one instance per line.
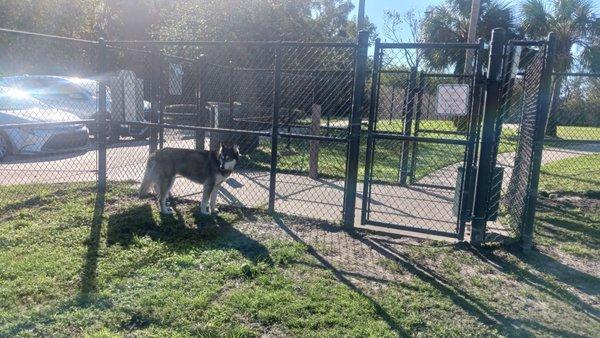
[4, 146]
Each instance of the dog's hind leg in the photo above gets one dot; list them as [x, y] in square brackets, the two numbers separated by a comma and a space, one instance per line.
[164, 188]
[206, 194]
[149, 180]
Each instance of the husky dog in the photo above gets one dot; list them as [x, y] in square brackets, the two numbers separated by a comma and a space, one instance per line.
[209, 168]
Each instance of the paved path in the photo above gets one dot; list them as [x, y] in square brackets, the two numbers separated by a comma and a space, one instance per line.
[415, 206]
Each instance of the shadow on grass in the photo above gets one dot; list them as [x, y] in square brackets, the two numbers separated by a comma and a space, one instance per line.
[40, 201]
[558, 271]
[88, 273]
[341, 276]
[210, 232]
[461, 297]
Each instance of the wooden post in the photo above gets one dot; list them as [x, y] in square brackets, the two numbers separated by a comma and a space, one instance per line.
[313, 163]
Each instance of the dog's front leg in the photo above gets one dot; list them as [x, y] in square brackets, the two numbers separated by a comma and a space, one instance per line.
[213, 199]
[206, 191]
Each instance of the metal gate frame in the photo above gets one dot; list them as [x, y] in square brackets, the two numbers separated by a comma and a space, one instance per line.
[470, 143]
[521, 193]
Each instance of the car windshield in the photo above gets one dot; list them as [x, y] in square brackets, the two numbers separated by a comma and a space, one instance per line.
[51, 87]
[14, 99]
[90, 86]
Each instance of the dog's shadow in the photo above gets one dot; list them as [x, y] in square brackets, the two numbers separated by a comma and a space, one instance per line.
[185, 231]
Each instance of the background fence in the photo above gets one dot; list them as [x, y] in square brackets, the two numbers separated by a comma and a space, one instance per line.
[287, 105]
[573, 130]
[292, 109]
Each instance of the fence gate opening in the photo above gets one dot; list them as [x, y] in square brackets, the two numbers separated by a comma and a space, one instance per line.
[422, 136]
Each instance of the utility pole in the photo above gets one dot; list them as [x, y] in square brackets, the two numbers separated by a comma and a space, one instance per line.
[360, 25]
[473, 22]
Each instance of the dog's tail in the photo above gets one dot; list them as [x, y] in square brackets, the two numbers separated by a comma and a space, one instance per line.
[150, 177]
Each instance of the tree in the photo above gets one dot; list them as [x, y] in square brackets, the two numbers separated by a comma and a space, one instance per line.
[449, 22]
[393, 26]
[577, 28]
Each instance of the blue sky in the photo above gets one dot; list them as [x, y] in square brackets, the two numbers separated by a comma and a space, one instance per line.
[375, 9]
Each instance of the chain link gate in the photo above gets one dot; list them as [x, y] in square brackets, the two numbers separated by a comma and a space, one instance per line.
[427, 125]
[421, 140]
[520, 126]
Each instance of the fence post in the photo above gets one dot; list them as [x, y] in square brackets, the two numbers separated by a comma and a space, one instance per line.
[155, 102]
[101, 116]
[230, 95]
[351, 182]
[200, 103]
[467, 189]
[543, 107]
[418, 113]
[315, 129]
[275, 126]
[487, 139]
[373, 104]
[410, 108]
[164, 83]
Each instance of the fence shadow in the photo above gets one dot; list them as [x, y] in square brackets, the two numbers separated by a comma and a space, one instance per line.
[89, 271]
[542, 263]
[341, 276]
[460, 297]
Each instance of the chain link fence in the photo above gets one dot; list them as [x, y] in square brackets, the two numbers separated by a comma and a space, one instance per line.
[289, 107]
[418, 140]
[45, 129]
[286, 105]
[521, 93]
[572, 139]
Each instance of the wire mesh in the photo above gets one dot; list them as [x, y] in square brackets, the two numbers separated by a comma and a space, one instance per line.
[229, 89]
[46, 110]
[419, 142]
[316, 101]
[573, 131]
[195, 96]
[517, 123]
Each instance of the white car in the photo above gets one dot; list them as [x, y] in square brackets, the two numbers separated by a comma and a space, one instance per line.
[78, 96]
[19, 108]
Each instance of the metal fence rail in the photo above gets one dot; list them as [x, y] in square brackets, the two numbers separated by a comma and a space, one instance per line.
[93, 112]
[276, 100]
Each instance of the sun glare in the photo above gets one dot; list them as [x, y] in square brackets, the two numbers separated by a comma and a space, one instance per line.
[17, 93]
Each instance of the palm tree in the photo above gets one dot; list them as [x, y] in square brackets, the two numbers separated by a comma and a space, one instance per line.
[575, 24]
[449, 22]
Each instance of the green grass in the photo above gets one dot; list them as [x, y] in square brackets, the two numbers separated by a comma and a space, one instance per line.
[572, 175]
[71, 268]
[430, 157]
[578, 133]
[332, 156]
[568, 217]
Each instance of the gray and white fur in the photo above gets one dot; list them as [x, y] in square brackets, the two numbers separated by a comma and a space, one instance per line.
[209, 168]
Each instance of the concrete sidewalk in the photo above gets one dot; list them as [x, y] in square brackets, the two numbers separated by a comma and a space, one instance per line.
[414, 206]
